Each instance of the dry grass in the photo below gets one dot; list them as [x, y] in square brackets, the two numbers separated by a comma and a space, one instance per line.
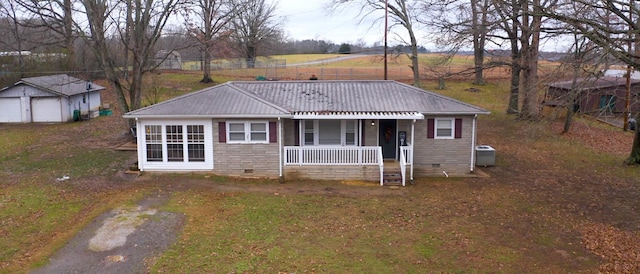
[554, 203]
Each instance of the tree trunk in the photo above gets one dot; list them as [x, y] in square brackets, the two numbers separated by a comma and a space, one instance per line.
[479, 20]
[414, 60]
[441, 85]
[512, 30]
[251, 57]
[69, 35]
[206, 77]
[514, 90]
[530, 107]
[634, 157]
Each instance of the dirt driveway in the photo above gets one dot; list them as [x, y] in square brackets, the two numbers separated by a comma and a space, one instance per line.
[123, 240]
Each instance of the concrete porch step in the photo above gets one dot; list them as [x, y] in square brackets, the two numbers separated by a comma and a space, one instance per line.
[392, 178]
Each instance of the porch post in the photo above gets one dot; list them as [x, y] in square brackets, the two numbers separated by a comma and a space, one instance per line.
[359, 140]
[300, 137]
[413, 127]
[473, 142]
[280, 149]
[141, 144]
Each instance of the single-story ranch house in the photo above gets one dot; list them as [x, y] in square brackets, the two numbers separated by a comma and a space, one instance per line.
[54, 98]
[346, 130]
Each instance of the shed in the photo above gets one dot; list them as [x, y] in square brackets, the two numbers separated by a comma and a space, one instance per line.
[53, 98]
[603, 95]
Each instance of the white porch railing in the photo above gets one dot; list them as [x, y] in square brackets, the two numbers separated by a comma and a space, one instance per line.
[405, 159]
[334, 156]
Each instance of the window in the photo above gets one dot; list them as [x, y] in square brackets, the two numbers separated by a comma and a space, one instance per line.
[236, 132]
[153, 137]
[258, 132]
[330, 132]
[195, 143]
[444, 128]
[309, 133]
[175, 143]
[175, 146]
[350, 133]
[247, 132]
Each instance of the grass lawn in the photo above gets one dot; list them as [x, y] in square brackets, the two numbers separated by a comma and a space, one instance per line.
[553, 203]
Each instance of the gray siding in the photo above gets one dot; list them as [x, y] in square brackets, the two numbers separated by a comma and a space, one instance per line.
[452, 155]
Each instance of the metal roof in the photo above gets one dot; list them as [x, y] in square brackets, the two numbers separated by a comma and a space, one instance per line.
[60, 84]
[594, 83]
[376, 95]
[224, 100]
[293, 98]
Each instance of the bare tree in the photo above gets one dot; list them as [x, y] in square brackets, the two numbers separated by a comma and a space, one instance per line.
[13, 35]
[401, 13]
[255, 27]
[621, 28]
[57, 17]
[138, 24]
[456, 24]
[212, 19]
[479, 28]
[509, 12]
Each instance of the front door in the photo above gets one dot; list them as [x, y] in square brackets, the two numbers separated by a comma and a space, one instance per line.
[387, 138]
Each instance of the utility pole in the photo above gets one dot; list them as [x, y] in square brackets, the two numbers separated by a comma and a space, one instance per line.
[627, 98]
[386, 30]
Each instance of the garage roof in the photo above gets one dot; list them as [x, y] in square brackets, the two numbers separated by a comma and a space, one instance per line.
[60, 84]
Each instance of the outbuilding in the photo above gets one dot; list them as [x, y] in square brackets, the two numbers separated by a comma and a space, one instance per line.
[54, 98]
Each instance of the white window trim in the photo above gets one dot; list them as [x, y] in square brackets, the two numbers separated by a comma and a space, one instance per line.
[247, 132]
[179, 165]
[316, 133]
[435, 128]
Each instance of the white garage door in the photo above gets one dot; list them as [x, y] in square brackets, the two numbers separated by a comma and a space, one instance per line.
[10, 110]
[45, 109]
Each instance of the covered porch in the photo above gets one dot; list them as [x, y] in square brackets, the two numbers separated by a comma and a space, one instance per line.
[354, 145]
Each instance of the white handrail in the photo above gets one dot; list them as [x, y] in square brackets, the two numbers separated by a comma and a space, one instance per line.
[381, 166]
[403, 164]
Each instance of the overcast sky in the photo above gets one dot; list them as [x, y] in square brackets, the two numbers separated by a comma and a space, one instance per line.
[308, 19]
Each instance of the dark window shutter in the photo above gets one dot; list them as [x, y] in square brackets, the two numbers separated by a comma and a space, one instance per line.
[458, 127]
[430, 128]
[273, 132]
[296, 129]
[222, 132]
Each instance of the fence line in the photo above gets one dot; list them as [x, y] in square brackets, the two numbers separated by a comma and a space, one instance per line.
[277, 69]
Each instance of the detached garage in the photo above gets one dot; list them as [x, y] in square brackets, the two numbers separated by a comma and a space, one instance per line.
[54, 98]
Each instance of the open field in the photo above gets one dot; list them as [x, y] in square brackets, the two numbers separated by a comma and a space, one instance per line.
[552, 204]
[370, 67]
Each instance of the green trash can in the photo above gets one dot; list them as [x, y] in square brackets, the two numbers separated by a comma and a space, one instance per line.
[76, 115]
[261, 78]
